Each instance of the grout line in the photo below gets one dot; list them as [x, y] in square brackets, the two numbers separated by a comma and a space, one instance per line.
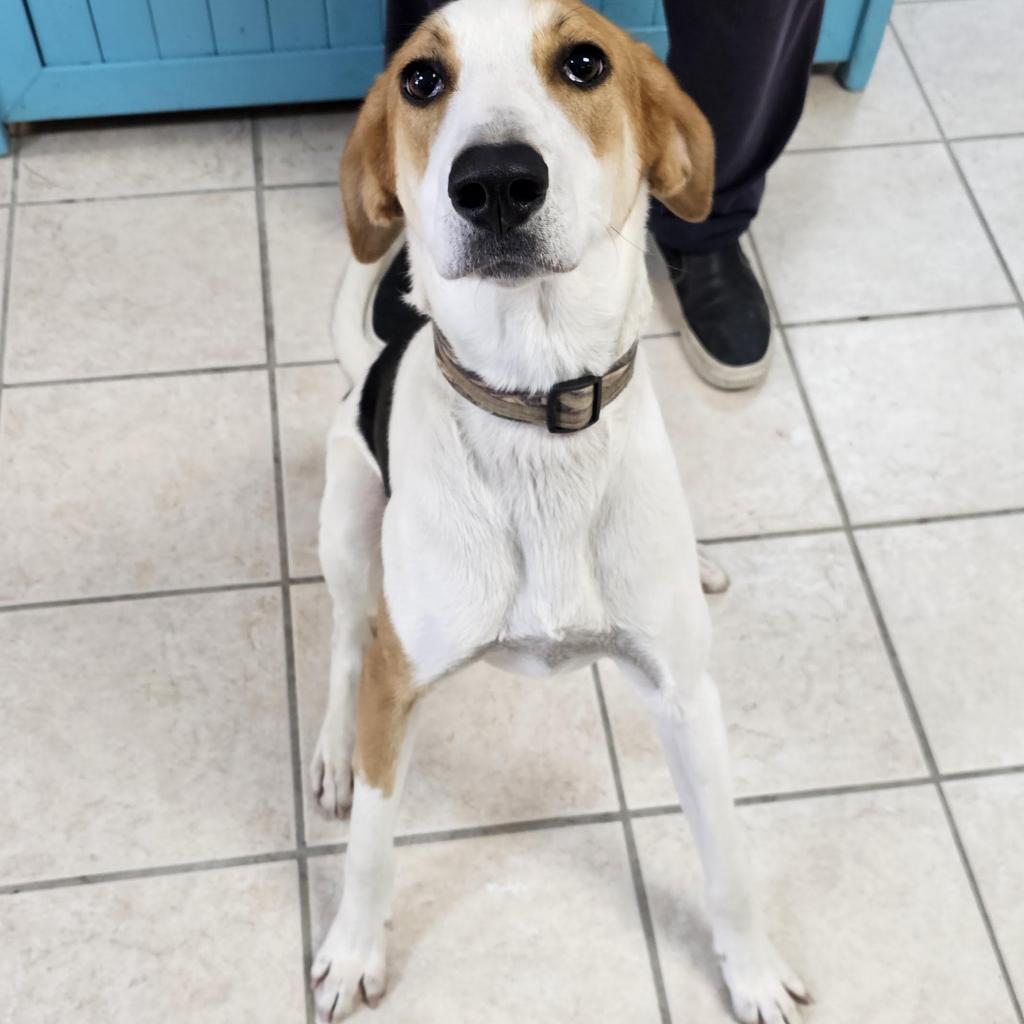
[301, 581]
[219, 190]
[743, 538]
[283, 186]
[499, 829]
[909, 315]
[982, 773]
[795, 795]
[937, 139]
[5, 285]
[888, 643]
[132, 874]
[327, 361]
[811, 150]
[149, 595]
[874, 524]
[758, 799]
[510, 828]
[949, 517]
[643, 903]
[145, 375]
[282, 540]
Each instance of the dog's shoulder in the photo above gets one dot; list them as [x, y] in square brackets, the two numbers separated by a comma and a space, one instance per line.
[375, 403]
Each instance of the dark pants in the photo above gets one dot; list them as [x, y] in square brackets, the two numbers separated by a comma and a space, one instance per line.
[746, 63]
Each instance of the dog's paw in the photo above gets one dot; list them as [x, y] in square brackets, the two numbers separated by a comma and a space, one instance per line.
[330, 776]
[713, 578]
[764, 990]
[350, 968]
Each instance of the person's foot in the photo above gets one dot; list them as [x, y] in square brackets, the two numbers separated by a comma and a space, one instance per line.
[394, 320]
[729, 340]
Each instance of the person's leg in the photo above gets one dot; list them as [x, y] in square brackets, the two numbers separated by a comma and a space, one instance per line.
[746, 63]
[402, 18]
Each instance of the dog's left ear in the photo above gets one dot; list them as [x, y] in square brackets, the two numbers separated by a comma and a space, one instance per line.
[372, 211]
[675, 141]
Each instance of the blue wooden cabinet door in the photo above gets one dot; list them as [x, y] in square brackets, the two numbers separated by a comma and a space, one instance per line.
[89, 58]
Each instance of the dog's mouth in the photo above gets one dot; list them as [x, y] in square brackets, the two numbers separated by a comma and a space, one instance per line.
[512, 259]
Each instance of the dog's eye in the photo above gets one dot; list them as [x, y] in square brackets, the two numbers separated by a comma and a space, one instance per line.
[422, 81]
[585, 65]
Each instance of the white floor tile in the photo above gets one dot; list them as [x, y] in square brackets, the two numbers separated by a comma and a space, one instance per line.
[146, 285]
[921, 416]
[808, 695]
[136, 486]
[993, 169]
[952, 598]
[891, 109]
[990, 816]
[218, 947]
[308, 398]
[490, 748]
[105, 160]
[308, 250]
[748, 459]
[304, 149]
[868, 232]
[541, 927]
[968, 58]
[143, 733]
[865, 897]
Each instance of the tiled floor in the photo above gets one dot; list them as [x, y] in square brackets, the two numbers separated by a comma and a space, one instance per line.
[163, 631]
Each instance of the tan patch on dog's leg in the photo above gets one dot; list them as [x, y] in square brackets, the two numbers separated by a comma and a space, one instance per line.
[386, 696]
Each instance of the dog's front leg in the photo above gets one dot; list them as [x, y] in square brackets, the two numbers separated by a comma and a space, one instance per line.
[351, 963]
[764, 990]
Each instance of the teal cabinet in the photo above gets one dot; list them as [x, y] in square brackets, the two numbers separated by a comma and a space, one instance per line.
[94, 58]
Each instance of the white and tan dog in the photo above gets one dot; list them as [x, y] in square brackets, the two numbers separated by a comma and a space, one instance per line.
[516, 142]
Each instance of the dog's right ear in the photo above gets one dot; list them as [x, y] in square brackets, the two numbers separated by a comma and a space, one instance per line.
[372, 211]
[675, 141]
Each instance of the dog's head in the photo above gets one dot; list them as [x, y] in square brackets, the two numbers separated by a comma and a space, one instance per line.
[509, 134]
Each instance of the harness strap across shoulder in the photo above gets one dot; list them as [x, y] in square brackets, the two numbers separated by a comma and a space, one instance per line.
[568, 407]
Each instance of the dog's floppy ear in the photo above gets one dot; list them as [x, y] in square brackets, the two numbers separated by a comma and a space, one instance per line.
[675, 141]
[372, 211]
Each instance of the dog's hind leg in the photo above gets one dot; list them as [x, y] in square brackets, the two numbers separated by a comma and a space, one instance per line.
[713, 578]
[350, 524]
[350, 964]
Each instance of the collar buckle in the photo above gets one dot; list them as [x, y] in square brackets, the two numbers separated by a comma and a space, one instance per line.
[557, 409]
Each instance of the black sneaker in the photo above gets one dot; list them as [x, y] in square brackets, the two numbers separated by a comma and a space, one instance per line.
[394, 320]
[729, 338]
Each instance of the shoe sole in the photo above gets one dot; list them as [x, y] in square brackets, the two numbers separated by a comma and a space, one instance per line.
[722, 375]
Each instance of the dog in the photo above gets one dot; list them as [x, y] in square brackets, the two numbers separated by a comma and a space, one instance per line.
[502, 486]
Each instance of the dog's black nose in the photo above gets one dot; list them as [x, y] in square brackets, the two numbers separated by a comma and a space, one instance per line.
[497, 187]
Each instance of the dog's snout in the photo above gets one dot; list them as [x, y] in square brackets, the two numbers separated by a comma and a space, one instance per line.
[497, 187]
